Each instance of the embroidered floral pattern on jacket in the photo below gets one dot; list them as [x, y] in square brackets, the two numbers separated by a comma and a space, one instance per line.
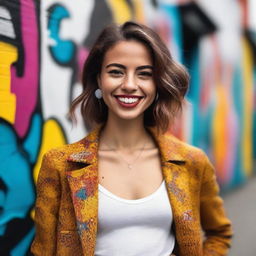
[173, 186]
[187, 215]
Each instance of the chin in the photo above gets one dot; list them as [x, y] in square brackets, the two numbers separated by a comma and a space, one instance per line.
[128, 117]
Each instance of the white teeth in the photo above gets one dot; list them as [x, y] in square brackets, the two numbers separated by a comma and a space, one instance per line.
[128, 100]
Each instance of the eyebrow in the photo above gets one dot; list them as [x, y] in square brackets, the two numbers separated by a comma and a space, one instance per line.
[123, 67]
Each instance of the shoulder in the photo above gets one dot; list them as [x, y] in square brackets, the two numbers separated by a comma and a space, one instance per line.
[192, 158]
[180, 150]
[65, 150]
[83, 151]
[58, 157]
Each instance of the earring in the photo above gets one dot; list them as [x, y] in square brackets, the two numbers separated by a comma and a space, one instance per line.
[98, 93]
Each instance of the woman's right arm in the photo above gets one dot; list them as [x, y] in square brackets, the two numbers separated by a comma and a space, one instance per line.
[47, 207]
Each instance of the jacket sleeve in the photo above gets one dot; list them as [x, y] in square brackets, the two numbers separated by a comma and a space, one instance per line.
[216, 226]
[46, 208]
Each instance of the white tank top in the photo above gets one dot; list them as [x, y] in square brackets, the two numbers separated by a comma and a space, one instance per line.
[134, 227]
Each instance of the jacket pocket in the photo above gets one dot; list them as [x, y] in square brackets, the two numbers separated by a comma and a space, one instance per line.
[69, 243]
[67, 231]
[68, 238]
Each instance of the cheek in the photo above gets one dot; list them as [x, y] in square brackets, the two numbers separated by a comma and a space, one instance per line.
[151, 89]
[108, 86]
[109, 83]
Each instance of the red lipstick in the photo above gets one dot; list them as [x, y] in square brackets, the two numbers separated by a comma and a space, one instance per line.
[128, 101]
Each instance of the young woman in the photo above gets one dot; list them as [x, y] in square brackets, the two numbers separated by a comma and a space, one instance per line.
[127, 189]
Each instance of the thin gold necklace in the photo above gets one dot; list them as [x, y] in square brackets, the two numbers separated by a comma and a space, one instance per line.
[129, 165]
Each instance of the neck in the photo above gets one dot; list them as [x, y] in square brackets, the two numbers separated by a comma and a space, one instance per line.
[125, 134]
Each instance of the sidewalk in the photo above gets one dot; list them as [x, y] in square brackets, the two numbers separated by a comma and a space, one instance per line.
[240, 206]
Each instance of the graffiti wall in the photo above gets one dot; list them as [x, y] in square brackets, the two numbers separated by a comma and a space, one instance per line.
[43, 45]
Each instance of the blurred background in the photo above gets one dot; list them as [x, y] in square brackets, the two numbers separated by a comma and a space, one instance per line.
[43, 45]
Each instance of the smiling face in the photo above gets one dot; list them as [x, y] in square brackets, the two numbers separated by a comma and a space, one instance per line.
[126, 80]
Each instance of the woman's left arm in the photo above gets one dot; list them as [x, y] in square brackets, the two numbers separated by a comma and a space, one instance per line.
[216, 225]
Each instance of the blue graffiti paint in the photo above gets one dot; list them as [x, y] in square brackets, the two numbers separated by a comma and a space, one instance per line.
[17, 193]
[174, 19]
[254, 117]
[33, 140]
[238, 176]
[207, 130]
[16, 174]
[62, 51]
[193, 96]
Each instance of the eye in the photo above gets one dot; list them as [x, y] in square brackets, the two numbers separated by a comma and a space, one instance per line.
[115, 72]
[145, 74]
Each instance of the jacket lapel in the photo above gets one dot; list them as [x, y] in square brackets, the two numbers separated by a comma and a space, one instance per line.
[176, 175]
[177, 183]
[83, 184]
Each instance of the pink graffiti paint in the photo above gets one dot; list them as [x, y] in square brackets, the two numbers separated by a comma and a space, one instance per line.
[26, 87]
[231, 132]
[81, 57]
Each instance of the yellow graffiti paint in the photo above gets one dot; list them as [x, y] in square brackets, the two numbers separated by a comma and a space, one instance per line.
[52, 137]
[9, 55]
[248, 108]
[138, 11]
[219, 130]
[120, 10]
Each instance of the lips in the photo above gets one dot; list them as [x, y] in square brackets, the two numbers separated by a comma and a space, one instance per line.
[128, 101]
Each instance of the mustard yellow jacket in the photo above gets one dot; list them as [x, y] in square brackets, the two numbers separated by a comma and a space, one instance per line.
[67, 200]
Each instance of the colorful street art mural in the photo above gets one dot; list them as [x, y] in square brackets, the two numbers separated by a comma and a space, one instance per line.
[43, 45]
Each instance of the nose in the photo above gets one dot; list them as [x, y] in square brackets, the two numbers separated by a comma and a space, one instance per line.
[129, 83]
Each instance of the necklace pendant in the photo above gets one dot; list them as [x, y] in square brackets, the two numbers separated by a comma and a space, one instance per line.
[130, 166]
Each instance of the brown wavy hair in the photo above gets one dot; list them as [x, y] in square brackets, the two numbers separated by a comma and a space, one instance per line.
[171, 78]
